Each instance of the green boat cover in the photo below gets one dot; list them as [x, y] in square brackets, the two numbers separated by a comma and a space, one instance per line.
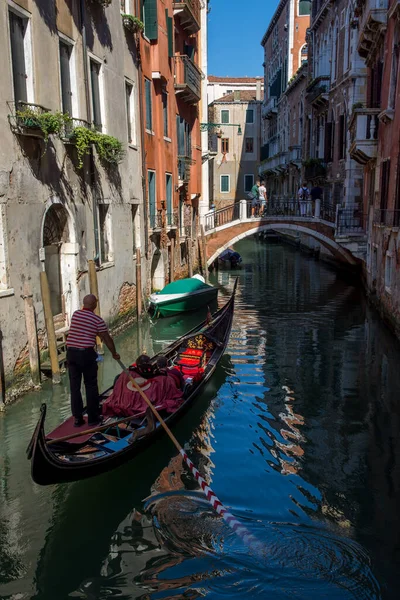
[184, 286]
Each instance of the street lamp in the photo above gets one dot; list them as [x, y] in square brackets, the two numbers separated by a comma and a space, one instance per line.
[212, 126]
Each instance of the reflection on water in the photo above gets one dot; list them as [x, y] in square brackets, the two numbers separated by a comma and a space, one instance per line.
[298, 433]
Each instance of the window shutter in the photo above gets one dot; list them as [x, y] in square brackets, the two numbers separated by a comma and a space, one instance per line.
[150, 19]
[180, 127]
[170, 31]
[149, 120]
[328, 142]
[94, 75]
[385, 183]
[18, 58]
[341, 137]
[304, 7]
[66, 91]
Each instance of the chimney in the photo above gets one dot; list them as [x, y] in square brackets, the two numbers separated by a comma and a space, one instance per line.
[258, 88]
[236, 95]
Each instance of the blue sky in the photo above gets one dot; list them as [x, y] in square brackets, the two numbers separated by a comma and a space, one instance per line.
[235, 30]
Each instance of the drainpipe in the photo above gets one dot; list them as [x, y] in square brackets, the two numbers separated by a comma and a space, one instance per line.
[142, 142]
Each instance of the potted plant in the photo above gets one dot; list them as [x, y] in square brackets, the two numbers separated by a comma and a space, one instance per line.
[44, 121]
[132, 23]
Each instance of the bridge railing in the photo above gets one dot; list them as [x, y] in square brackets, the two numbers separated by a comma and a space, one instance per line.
[222, 216]
[350, 221]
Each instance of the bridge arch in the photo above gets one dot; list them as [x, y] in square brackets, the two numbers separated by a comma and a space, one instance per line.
[236, 233]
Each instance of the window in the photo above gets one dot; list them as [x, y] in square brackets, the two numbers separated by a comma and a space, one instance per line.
[342, 137]
[385, 177]
[248, 182]
[388, 271]
[135, 228]
[303, 54]
[249, 115]
[304, 8]
[224, 116]
[165, 112]
[395, 71]
[249, 145]
[225, 184]
[20, 47]
[150, 19]
[130, 113]
[170, 33]
[149, 110]
[225, 145]
[105, 245]
[65, 76]
[229, 91]
[168, 192]
[3, 249]
[151, 182]
[95, 91]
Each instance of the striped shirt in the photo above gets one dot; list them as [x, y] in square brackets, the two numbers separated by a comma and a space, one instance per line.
[85, 325]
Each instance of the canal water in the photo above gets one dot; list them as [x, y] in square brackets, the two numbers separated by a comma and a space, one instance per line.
[298, 433]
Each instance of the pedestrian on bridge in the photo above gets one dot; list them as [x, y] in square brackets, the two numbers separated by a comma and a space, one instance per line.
[262, 192]
[303, 197]
[255, 199]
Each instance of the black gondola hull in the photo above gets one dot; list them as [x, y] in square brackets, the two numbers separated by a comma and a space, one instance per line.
[47, 468]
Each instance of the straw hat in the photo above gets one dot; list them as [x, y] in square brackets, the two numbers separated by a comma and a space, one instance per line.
[144, 384]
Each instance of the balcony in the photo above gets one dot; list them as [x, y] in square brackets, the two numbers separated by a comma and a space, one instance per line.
[363, 127]
[156, 221]
[188, 12]
[184, 165]
[295, 156]
[172, 219]
[317, 91]
[26, 118]
[187, 80]
[372, 26]
[269, 109]
[275, 165]
[319, 10]
[387, 218]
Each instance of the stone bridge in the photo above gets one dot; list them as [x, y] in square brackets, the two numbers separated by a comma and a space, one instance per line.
[341, 231]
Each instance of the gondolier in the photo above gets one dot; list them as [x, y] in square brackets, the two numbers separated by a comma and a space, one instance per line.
[82, 359]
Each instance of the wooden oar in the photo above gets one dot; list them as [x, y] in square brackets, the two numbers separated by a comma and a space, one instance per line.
[237, 527]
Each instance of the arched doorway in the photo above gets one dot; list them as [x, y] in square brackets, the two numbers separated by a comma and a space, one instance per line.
[157, 271]
[55, 233]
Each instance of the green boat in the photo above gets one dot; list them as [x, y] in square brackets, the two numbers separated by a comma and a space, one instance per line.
[182, 296]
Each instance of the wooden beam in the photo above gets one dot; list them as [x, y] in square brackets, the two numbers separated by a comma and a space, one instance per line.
[51, 334]
[138, 283]
[31, 331]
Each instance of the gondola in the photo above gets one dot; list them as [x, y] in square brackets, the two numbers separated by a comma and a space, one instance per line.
[92, 454]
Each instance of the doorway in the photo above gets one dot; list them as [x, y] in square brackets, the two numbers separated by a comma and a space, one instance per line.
[55, 233]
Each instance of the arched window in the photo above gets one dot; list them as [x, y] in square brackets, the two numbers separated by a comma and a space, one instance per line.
[347, 34]
[303, 54]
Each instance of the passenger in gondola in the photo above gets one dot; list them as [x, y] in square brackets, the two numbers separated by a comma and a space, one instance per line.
[126, 401]
[173, 372]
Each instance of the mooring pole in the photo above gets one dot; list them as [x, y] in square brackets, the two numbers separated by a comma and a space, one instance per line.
[138, 283]
[31, 330]
[51, 334]
[2, 376]
[94, 289]
[190, 256]
[204, 247]
[172, 261]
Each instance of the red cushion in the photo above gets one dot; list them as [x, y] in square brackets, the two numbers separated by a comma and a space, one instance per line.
[186, 360]
[193, 352]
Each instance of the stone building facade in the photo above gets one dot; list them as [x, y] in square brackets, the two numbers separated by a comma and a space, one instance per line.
[217, 87]
[375, 145]
[336, 84]
[58, 209]
[285, 53]
[171, 83]
[234, 145]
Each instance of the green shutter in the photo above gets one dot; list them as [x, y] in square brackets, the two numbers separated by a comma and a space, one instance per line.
[170, 31]
[150, 19]
[304, 7]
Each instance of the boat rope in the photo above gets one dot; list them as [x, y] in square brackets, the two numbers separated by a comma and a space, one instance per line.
[248, 538]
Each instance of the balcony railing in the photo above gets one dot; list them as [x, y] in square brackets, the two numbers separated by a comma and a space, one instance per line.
[189, 14]
[187, 80]
[277, 163]
[269, 108]
[389, 218]
[295, 155]
[156, 221]
[318, 94]
[173, 219]
[23, 118]
[364, 134]
[222, 216]
[184, 164]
